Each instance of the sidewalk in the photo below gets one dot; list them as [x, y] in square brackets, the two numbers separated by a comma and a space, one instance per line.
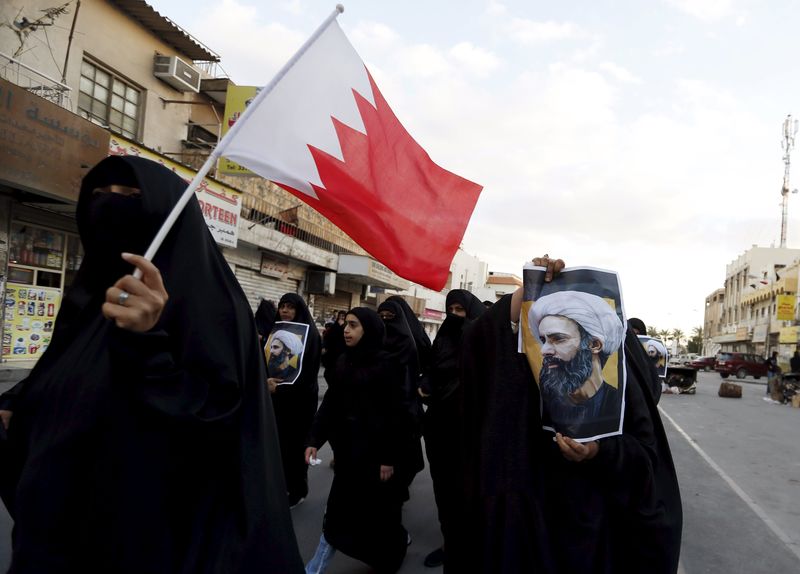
[12, 372]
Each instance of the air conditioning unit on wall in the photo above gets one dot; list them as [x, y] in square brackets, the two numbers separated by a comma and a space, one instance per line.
[320, 282]
[179, 74]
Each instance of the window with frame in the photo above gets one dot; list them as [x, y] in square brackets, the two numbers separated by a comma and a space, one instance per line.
[109, 100]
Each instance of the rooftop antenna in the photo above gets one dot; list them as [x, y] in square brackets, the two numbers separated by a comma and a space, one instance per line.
[787, 143]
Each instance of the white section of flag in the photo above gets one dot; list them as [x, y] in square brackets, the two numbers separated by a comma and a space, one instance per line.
[274, 140]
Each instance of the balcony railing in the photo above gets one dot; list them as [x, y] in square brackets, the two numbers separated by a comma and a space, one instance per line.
[262, 212]
[34, 81]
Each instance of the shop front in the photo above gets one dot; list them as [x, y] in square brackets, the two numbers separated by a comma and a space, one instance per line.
[45, 150]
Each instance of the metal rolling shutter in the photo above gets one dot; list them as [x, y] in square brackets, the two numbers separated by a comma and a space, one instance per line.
[258, 287]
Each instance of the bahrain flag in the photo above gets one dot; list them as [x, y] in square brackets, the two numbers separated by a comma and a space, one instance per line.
[324, 132]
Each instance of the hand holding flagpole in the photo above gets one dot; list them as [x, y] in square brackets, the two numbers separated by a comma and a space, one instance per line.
[223, 143]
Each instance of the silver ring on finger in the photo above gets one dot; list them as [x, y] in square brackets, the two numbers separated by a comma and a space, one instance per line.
[123, 297]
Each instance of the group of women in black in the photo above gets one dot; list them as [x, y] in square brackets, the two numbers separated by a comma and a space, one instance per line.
[149, 438]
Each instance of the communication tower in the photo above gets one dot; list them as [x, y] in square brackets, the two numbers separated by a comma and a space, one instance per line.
[787, 143]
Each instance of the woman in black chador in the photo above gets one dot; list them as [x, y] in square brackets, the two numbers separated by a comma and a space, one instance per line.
[401, 350]
[360, 417]
[442, 420]
[296, 404]
[144, 440]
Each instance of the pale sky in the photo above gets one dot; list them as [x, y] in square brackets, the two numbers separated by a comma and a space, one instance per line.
[642, 136]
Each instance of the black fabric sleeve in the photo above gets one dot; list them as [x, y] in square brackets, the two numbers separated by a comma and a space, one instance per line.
[393, 420]
[201, 393]
[320, 428]
[627, 461]
[9, 398]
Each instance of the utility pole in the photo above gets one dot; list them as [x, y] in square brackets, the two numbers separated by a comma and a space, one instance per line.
[787, 143]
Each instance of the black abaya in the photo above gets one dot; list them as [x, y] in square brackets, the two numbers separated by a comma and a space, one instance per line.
[442, 419]
[360, 417]
[153, 452]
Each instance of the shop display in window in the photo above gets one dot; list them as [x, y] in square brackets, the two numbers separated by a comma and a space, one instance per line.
[29, 317]
[36, 247]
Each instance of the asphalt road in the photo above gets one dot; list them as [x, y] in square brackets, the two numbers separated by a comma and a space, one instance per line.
[741, 484]
[738, 462]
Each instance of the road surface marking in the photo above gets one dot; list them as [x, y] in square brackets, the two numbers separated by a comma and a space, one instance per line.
[793, 547]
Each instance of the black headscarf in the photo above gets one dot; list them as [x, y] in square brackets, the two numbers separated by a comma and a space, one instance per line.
[302, 314]
[371, 342]
[153, 452]
[442, 377]
[265, 317]
[399, 343]
[421, 339]
[472, 305]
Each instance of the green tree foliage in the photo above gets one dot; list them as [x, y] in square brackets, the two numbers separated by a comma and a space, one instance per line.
[695, 344]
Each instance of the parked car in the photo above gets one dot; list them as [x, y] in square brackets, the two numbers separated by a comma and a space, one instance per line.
[740, 364]
[703, 363]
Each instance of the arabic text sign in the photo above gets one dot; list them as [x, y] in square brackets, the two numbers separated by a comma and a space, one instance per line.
[44, 147]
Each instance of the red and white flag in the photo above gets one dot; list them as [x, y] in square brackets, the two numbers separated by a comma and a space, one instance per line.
[325, 133]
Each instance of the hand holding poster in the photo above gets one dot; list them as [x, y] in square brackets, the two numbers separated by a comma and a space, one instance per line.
[572, 333]
[284, 351]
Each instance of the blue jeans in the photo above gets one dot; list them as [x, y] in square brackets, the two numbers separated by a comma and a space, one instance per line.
[322, 557]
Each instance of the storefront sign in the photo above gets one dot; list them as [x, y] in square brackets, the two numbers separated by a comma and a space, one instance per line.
[433, 314]
[785, 305]
[789, 335]
[272, 268]
[221, 205]
[236, 101]
[363, 269]
[45, 148]
[759, 333]
[29, 316]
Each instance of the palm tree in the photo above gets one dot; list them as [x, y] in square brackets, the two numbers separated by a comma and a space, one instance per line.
[652, 332]
[678, 335]
[664, 335]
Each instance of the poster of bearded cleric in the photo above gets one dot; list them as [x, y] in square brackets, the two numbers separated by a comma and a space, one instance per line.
[284, 351]
[572, 331]
[656, 352]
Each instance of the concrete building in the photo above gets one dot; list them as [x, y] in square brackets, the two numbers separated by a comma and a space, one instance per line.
[79, 82]
[712, 326]
[759, 284]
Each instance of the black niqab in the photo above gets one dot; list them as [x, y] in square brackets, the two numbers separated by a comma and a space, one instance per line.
[421, 339]
[399, 342]
[148, 452]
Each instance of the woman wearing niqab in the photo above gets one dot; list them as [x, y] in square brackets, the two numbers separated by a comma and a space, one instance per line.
[442, 419]
[295, 404]
[421, 339]
[156, 451]
[400, 349]
[359, 416]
